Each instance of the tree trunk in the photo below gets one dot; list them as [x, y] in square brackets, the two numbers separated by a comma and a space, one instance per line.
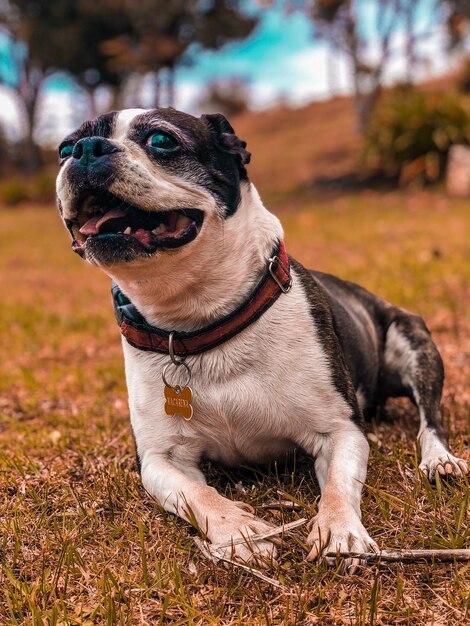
[92, 104]
[116, 98]
[31, 158]
[331, 69]
[367, 107]
[157, 90]
[171, 86]
[27, 93]
[353, 49]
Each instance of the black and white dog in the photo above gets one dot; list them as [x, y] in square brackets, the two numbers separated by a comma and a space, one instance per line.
[279, 357]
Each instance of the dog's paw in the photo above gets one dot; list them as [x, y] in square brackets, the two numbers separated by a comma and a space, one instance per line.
[446, 465]
[236, 536]
[332, 533]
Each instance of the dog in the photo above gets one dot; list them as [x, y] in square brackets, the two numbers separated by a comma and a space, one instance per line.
[234, 352]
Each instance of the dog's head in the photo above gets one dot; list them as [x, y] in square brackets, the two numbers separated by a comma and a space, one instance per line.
[136, 183]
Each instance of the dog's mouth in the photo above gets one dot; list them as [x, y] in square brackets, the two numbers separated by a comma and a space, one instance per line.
[105, 216]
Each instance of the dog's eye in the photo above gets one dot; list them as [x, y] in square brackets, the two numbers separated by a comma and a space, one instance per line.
[65, 150]
[162, 141]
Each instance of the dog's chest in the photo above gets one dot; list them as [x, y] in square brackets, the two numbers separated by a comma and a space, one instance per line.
[252, 397]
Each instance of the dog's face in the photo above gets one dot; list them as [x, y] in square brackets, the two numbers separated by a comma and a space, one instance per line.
[135, 184]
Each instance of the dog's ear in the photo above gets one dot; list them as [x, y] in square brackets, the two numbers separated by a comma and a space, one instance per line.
[225, 137]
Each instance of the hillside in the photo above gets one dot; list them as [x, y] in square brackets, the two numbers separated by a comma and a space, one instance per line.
[309, 152]
[291, 148]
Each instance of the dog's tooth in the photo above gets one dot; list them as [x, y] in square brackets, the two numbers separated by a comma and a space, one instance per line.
[182, 222]
[159, 230]
[128, 231]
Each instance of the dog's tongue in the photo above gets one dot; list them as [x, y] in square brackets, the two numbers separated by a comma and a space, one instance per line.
[144, 236]
[93, 225]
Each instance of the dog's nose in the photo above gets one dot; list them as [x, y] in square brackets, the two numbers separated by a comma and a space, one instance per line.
[91, 149]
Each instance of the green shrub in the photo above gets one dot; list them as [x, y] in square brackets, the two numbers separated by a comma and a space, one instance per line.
[411, 132]
[13, 190]
[463, 76]
[5, 151]
[38, 189]
[42, 186]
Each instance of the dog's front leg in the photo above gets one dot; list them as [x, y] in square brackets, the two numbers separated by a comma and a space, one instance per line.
[341, 466]
[181, 489]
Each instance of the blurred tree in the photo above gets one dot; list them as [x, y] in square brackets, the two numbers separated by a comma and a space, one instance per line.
[49, 36]
[354, 28]
[365, 33]
[463, 76]
[76, 31]
[163, 31]
[5, 150]
[104, 42]
[229, 97]
[458, 20]
[340, 21]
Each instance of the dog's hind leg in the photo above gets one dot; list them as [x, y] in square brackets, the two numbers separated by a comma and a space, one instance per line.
[413, 367]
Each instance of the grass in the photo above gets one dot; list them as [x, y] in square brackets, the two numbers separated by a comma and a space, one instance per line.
[81, 543]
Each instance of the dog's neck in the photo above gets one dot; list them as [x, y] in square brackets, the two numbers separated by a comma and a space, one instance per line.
[187, 289]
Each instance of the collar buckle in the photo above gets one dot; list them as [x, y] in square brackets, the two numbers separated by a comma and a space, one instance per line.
[285, 288]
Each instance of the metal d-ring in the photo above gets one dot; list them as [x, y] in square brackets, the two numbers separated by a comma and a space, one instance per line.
[177, 388]
[175, 359]
[283, 288]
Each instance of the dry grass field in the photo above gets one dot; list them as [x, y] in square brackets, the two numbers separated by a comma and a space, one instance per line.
[81, 543]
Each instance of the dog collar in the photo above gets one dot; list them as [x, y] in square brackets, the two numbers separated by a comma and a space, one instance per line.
[138, 333]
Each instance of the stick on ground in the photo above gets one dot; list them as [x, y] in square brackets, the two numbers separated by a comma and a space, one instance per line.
[407, 556]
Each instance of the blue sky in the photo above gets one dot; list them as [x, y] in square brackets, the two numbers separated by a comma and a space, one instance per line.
[264, 60]
[261, 56]
[283, 59]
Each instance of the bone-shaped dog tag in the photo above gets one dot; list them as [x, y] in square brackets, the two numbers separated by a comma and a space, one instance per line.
[178, 401]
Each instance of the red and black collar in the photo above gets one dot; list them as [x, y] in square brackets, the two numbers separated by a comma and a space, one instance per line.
[138, 333]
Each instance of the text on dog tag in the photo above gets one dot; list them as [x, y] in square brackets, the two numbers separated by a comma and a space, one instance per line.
[178, 401]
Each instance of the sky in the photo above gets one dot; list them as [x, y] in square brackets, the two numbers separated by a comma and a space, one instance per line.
[281, 60]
